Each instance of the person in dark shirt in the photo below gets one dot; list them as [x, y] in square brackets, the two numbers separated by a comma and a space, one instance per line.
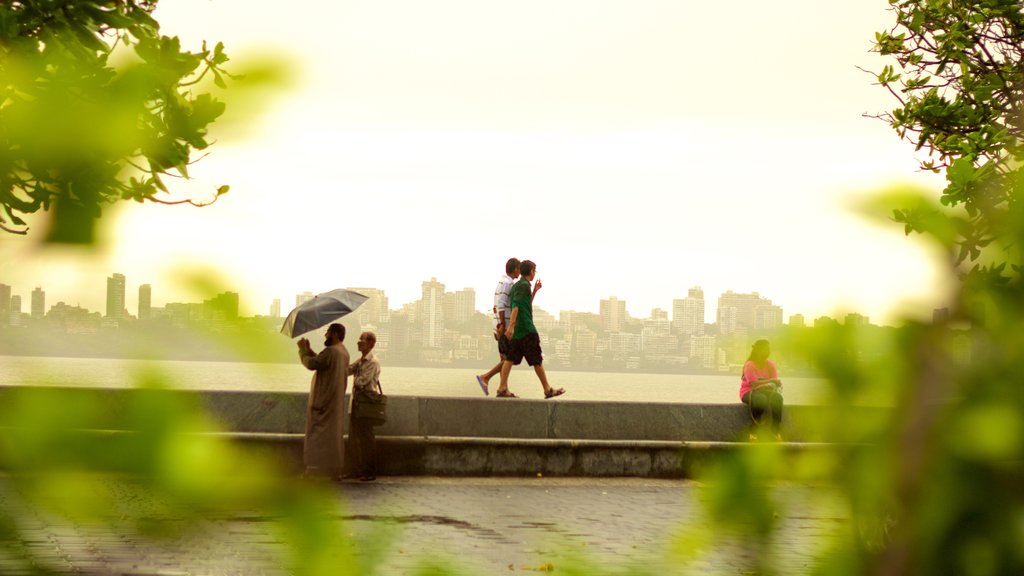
[524, 341]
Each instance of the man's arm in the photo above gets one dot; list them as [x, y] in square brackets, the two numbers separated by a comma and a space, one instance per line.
[309, 358]
[512, 323]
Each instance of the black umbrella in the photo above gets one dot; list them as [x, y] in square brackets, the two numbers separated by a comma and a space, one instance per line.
[320, 311]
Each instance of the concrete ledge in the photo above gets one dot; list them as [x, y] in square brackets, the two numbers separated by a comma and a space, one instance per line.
[285, 413]
[461, 456]
[459, 436]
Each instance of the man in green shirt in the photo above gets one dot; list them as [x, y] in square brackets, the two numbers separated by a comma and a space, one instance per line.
[524, 341]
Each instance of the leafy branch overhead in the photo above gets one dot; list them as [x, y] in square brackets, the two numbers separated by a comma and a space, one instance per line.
[959, 80]
[96, 106]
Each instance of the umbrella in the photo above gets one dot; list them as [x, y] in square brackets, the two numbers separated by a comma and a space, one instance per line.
[321, 310]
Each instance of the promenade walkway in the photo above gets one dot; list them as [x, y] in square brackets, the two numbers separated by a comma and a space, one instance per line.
[472, 526]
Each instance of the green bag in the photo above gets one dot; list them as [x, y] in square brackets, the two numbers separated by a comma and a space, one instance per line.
[370, 406]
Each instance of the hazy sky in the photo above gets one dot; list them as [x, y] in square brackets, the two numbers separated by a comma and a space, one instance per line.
[632, 149]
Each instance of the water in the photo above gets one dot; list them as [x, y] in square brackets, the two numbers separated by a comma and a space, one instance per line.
[403, 381]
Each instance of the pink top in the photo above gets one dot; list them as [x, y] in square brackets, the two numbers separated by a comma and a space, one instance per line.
[751, 374]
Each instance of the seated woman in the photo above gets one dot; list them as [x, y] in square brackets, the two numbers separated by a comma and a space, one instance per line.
[761, 389]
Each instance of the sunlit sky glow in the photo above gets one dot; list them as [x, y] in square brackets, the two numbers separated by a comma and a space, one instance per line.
[632, 149]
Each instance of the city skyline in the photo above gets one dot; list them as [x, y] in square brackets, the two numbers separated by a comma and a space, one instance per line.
[441, 328]
[687, 313]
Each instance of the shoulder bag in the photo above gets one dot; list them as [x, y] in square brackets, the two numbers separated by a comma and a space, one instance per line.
[370, 405]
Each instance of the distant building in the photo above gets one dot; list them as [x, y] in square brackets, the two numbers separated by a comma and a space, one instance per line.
[659, 314]
[38, 303]
[304, 297]
[797, 321]
[275, 308]
[115, 296]
[5, 304]
[145, 302]
[223, 306]
[73, 319]
[459, 307]
[375, 311]
[544, 320]
[854, 319]
[584, 343]
[613, 314]
[688, 313]
[14, 315]
[767, 317]
[750, 311]
[622, 344]
[432, 313]
[704, 351]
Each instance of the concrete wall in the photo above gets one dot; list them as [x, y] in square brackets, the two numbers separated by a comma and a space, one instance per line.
[285, 413]
[461, 436]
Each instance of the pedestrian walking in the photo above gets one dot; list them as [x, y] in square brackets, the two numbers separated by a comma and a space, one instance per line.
[502, 312]
[323, 450]
[365, 378]
[524, 341]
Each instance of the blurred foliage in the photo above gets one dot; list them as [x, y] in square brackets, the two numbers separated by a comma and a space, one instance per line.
[930, 485]
[934, 485]
[78, 132]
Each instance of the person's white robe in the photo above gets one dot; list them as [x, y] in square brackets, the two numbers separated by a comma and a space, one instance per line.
[324, 449]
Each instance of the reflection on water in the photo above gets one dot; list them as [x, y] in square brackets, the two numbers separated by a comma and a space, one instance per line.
[405, 381]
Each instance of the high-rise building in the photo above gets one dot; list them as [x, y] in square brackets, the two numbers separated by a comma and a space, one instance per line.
[223, 306]
[115, 296]
[797, 320]
[431, 314]
[745, 311]
[854, 319]
[704, 351]
[767, 317]
[613, 314]
[15, 312]
[304, 297]
[688, 313]
[5, 304]
[624, 344]
[275, 308]
[38, 303]
[375, 311]
[460, 306]
[584, 342]
[145, 302]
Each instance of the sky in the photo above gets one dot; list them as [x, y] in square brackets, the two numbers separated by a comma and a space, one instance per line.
[631, 149]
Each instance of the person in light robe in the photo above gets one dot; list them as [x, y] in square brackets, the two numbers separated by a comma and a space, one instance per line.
[323, 450]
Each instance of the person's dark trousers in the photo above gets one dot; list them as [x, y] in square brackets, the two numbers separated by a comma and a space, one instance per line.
[762, 401]
[364, 457]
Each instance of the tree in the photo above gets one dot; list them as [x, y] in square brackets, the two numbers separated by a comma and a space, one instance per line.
[960, 83]
[96, 106]
[938, 485]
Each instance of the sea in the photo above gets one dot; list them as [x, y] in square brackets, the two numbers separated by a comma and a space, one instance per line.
[399, 381]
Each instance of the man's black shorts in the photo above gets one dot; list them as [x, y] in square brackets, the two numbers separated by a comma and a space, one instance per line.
[503, 345]
[526, 347]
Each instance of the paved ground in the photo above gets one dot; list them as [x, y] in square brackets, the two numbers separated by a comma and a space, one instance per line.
[460, 526]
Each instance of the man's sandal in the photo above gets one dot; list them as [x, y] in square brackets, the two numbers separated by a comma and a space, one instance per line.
[505, 394]
[554, 392]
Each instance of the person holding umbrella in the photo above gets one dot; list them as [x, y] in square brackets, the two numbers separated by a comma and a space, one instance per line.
[323, 451]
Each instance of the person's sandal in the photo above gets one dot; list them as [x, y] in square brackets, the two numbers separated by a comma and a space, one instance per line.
[554, 392]
[505, 394]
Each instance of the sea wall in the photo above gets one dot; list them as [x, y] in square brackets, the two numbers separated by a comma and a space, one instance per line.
[468, 436]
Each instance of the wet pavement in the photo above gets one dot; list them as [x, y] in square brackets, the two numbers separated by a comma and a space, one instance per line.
[412, 525]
